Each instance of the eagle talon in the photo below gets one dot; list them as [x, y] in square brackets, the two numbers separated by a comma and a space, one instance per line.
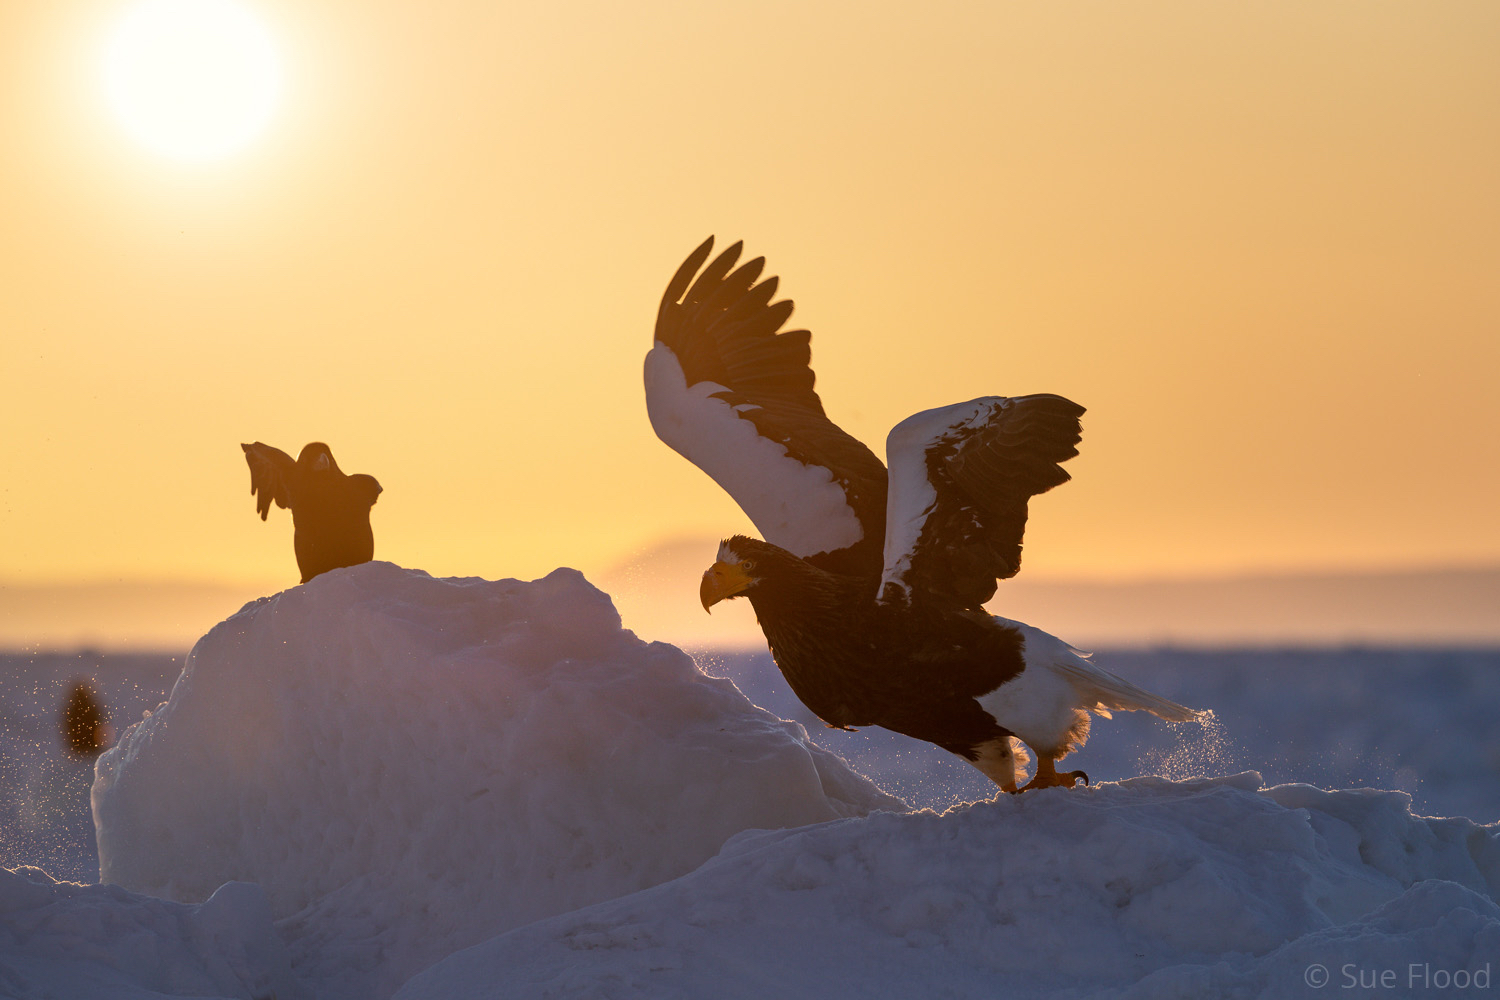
[1046, 777]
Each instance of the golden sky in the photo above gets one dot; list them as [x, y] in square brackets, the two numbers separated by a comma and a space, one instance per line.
[1260, 242]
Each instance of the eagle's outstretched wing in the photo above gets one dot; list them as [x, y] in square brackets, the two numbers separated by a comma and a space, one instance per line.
[961, 476]
[734, 395]
[271, 472]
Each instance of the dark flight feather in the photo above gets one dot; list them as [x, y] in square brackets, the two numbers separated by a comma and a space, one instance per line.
[723, 328]
[271, 470]
[983, 478]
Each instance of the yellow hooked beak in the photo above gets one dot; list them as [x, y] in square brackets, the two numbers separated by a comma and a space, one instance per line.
[722, 580]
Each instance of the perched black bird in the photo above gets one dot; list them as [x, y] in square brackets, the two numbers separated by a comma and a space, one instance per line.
[330, 511]
[83, 722]
[869, 587]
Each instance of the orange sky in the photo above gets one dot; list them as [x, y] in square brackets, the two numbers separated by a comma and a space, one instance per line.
[1258, 242]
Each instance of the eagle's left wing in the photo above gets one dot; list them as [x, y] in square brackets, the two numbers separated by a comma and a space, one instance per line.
[271, 471]
[960, 479]
[734, 395]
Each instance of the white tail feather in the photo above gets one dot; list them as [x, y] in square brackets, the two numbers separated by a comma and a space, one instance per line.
[1047, 705]
[1103, 692]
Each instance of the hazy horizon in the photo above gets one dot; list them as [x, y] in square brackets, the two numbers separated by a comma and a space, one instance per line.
[655, 587]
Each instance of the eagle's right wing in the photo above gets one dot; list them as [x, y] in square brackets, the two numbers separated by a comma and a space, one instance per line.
[270, 476]
[734, 395]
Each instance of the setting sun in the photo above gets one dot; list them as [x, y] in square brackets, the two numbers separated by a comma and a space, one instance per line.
[192, 79]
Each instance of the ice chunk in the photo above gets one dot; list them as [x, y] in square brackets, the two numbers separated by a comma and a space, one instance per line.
[410, 765]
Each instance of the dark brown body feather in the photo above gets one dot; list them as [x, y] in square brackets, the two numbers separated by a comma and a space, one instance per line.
[856, 662]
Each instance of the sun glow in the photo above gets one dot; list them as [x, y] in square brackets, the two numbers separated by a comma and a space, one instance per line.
[192, 79]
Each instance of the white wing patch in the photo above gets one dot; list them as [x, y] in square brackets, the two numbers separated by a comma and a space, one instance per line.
[794, 505]
[910, 497]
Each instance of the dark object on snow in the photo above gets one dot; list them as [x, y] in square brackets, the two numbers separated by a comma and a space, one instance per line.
[84, 722]
[330, 511]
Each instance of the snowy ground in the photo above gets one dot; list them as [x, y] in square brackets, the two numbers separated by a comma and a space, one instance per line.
[384, 784]
[1418, 721]
[1147, 888]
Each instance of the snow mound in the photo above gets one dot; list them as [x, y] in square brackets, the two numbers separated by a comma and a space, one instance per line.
[1147, 888]
[410, 765]
[62, 939]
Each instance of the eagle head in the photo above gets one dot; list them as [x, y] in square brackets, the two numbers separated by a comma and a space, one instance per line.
[733, 573]
[317, 457]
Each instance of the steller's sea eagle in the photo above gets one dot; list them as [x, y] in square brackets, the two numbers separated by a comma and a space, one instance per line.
[869, 585]
[330, 511]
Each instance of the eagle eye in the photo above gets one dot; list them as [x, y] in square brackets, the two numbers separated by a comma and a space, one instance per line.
[748, 565]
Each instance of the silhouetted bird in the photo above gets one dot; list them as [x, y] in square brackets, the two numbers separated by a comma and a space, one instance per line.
[83, 722]
[330, 511]
[870, 595]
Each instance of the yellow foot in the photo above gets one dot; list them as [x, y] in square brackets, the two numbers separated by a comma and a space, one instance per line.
[1054, 780]
[1047, 777]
